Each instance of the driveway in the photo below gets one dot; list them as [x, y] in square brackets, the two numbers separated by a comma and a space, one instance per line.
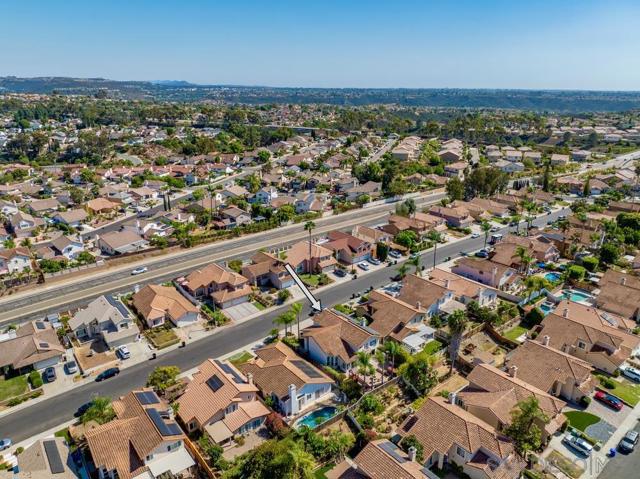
[613, 417]
[240, 311]
[623, 465]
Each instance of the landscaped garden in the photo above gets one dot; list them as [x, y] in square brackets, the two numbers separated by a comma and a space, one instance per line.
[625, 390]
[240, 358]
[581, 420]
[162, 337]
[13, 387]
[514, 333]
[565, 464]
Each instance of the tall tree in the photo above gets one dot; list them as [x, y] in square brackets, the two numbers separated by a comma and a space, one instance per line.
[525, 426]
[309, 226]
[296, 309]
[435, 237]
[486, 228]
[455, 189]
[457, 322]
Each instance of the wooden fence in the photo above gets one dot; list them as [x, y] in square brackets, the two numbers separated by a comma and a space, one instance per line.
[200, 459]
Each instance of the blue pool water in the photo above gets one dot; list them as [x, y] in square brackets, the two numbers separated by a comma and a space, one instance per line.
[314, 418]
[546, 308]
[576, 296]
[553, 277]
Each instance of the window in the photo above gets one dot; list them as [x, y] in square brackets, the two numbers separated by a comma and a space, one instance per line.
[460, 451]
[149, 457]
[174, 446]
[582, 345]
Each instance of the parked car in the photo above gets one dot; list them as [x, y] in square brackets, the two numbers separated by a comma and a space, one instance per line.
[82, 409]
[5, 444]
[139, 270]
[395, 254]
[71, 367]
[609, 399]
[123, 352]
[475, 235]
[494, 229]
[49, 375]
[340, 273]
[578, 444]
[481, 254]
[629, 441]
[363, 266]
[632, 373]
[107, 374]
[374, 261]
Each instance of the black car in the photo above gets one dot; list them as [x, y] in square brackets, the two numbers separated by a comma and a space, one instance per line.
[108, 373]
[340, 273]
[82, 409]
[49, 375]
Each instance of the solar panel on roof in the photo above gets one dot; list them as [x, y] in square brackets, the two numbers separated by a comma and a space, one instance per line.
[53, 457]
[118, 305]
[147, 397]
[165, 429]
[306, 368]
[214, 383]
[40, 325]
[229, 370]
[44, 345]
[409, 424]
[391, 449]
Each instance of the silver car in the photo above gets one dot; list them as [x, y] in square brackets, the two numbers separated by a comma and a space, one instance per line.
[632, 373]
[578, 444]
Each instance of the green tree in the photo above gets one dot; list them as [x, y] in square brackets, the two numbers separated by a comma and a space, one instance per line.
[198, 195]
[524, 428]
[609, 253]
[406, 238]
[525, 259]
[382, 251]
[546, 177]
[285, 458]
[434, 237]
[309, 226]
[283, 295]
[586, 190]
[100, 411]
[457, 322]
[412, 441]
[403, 269]
[296, 309]
[415, 262]
[455, 189]
[163, 377]
[363, 364]
[486, 229]
[418, 371]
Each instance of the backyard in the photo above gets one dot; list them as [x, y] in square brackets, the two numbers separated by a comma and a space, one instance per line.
[432, 347]
[13, 387]
[565, 465]
[514, 333]
[240, 358]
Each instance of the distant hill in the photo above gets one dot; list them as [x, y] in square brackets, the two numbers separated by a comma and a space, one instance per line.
[178, 90]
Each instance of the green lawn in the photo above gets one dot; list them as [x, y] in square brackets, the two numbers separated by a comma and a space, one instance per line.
[162, 338]
[515, 332]
[240, 358]
[259, 305]
[13, 387]
[321, 472]
[432, 347]
[628, 392]
[310, 279]
[581, 420]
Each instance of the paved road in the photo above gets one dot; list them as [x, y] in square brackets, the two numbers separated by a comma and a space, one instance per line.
[47, 414]
[80, 291]
[623, 465]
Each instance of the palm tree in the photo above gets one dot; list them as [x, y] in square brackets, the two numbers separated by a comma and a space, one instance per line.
[435, 237]
[516, 219]
[295, 310]
[100, 411]
[415, 262]
[525, 259]
[403, 269]
[309, 226]
[363, 363]
[392, 348]
[285, 319]
[486, 227]
[411, 207]
[457, 322]
[301, 463]
[211, 201]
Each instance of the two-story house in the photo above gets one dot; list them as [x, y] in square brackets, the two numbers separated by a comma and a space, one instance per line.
[487, 272]
[67, 246]
[224, 286]
[14, 260]
[347, 248]
[221, 402]
[266, 270]
[312, 258]
[464, 290]
[433, 298]
[335, 340]
[156, 304]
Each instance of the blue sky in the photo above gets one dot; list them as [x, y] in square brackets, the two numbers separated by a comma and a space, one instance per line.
[561, 44]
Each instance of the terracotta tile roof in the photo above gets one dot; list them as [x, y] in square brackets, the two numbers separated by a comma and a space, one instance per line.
[376, 463]
[593, 316]
[35, 341]
[420, 291]
[274, 369]
[213, 274]
[438, 425]
[337, 335]
[389, 315]
[101, 204]
[155, 301]
[124, 443]
[460, 285]
[299, 252]
[543, 366]
[202, 403]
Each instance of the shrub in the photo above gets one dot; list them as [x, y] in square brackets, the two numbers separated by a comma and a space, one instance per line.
[276, 425]
[608, 382]
[590, 263]
[585, 401]
[366, 421]
[576, 272]
[283, 295]
[371, 404]
[533, 318]
[35, 379]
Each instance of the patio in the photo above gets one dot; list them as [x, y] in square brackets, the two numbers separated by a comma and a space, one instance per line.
[251, 440]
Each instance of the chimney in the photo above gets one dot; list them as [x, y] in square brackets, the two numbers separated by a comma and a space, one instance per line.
[565, 313]
[452, 398]
[566, 349]
[412, 454]
[293, 399]
[136, 288]
[623, 280]
[447, 282]
[418, 305]
[545, 340]
[513, 371]
[250, 378]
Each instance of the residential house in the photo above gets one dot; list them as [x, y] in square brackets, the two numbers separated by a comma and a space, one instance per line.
[73, 218]
[35, 346]
[23, 225]
[235, 216]
[266, 270]
[142, 442]
[121, 242]
[14, 260]
[372, 235]
[581, 155]
[41, 207]
[225, 287]
[576, 332]
[293, 383]
[44, 459]
[508, 166]
[306, 202]
[493, 207]
[347, 248]
[493, 394]
[487, 272]
[101, 206]
[559, 160]
[105, 318]
[433, 298]
[457, 217]
[371, 189]
[221, 402]
[449, 434]
[305, 259]
[555, 372]
[335, 340]
[67, 246]
[8, 208]
[456, 170]
[156, 304]
[266, 195]
[464, 290]
[619, 294]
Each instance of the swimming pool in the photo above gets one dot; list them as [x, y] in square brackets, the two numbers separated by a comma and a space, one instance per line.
[316, 417]
[546, 307]
[553, 277]
[576, 296]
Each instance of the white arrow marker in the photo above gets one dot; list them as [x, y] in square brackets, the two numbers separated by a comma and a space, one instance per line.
[315, 303]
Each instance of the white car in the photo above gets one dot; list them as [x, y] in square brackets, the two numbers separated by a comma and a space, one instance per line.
[578, 444]
[632, 373]
[139, 270]
[363, 266]
[123, 352]
[5, 444]
[475, 235]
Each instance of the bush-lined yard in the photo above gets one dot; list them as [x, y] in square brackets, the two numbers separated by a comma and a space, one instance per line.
[161, 337]
[13, 387]
[515, 332]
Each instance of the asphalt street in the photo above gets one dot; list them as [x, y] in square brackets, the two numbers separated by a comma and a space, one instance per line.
[47, 414]
[623, 465]
[77, 293]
